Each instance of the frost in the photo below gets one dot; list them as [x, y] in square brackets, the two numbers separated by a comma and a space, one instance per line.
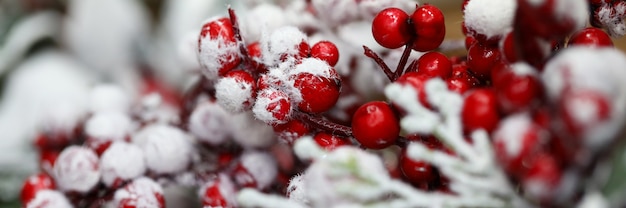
[121, 161]
[109, 126]
[573, 10]
[281, 42]
[167, 149]
[210, 123]
[234, 95]
[490, 18]
[523, 69]
[336, 12]
[141, 192]
[109, 97]
[49, 198]
[224, 185]
[263, 17]
[214, 54]
[268, 105]
[262, 166]
[76, 169]
[315, 67]
[251, 133]
[511, 132]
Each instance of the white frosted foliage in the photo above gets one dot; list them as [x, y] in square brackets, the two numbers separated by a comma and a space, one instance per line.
[76, 169]
[167, 149]
[109, 97]
[262, 166]
[296, 190]
[490, 18]
[210, 123]
[233, 94]
[121, 161]
[49, 199]
[109, 126]
[141, 192]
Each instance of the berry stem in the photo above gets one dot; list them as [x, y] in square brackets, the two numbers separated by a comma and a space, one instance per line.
[247, 62]
[323, 124]
[403, 60]
[189, 99]
[369, 53]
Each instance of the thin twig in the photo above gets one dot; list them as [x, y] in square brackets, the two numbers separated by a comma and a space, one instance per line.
[324, 124]
[369, 53]
[403, 60]
[247, 61]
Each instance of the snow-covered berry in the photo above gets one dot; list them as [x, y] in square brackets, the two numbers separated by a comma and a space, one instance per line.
[210, 122]
[49, 199]
[34, 184]
[218, 51]
[235, 91]
[121, 162]
[255, 169]
[141, 192]
[77, 169]
[166, 149]
[218, 192]
[103, 128]
[272, 106]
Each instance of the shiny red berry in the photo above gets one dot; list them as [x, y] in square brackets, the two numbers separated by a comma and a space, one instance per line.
[326, 51]
[428, 24]
[481, 59]
[319, 94]
[518, 92]
[375, 125]
[390, 28]
[508, 48]
[416, 171]
[221, 32]
[591, 37]
[329, 142]
[434, 64]
[480, 110]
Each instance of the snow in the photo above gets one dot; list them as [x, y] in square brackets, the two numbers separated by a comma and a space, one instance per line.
[282, 41]
[109, 97]
[167, 149]
[141, 192]
[336, 12]
[251, 133]
[121, 161]
[511, 132]
[233, 94]
[49, 198]
[76, 169]
[210, 123]
[315, 67]
[523, 69]
[214, 53]
[296, 190]
[490, 18]
[109, 126]
[263, 17]
[268, 104]
[573, 10]
[225, 186]
[262, 166]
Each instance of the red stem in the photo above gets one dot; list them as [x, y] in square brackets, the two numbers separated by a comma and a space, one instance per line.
[369, 53]
[403, 60]
[324, 124]
[247, 62]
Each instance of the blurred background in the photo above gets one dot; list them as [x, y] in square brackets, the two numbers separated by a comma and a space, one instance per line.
[84, 41]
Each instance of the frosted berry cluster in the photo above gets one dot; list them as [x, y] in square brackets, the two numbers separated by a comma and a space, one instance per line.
[277, 118]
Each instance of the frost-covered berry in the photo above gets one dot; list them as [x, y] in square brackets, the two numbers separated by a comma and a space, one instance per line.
[235, 91]
[49, 199]
[375, 125]
[543, 177]
[141, 192]
[517, 140]
[219, 192]
[336, 12]
[121, 162]
[317, 84]
[103, 128]
[34, 184]
[210, 122]
[489, 20]
[285, 44]
[272, 106]
[109, 97]
[77, 169]
[217, 47]
[166, 149]
[290, 131]
[252, 133]
[256, 170]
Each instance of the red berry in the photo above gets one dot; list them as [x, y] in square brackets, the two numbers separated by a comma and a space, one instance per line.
[319, 94]
[390, 28]
[461, 80]
[508, 48]
[428, 24]
[141, 192]
[582, 110]
[434, 64]
[33, 184]
[254, 51]
[47, 158]
[480, 110]
[236, 90]
[290, 131]
[517, 141]
[543, 177]
[416, 171]
[417, 81]
[220, 30]
[518, 92]
[458, 85]
[470, 41]
[481, 59]
[591, 37]
[375, 126]
[272, 106]
[326, 51]
[216, 192]
[329, 142]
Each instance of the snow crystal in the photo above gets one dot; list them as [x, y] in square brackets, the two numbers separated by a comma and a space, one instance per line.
[315, 67]
[210, 123]
[262, 166]
[234, 95]
[167, 149]
[49, 198]
[109, 126]
[141, 192]
[490, 18]
[121, 161]
[76, 169]
[523, 69]
[296, 190]
[109, 97]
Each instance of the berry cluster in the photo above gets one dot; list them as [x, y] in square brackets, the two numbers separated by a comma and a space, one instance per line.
[533, 81]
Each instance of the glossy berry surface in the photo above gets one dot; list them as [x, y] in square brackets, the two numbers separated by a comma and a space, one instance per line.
[390, 28]
[481, 59]
[429, 27]
[434, 64]
[326, 51]
[416, 171]
[329, 142]
[591, 37]
[319, 93]
[480, 110]
[375, 126]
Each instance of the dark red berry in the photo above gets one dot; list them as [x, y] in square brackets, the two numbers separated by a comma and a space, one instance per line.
[390, 28]
[480, 110]
[375, 125]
